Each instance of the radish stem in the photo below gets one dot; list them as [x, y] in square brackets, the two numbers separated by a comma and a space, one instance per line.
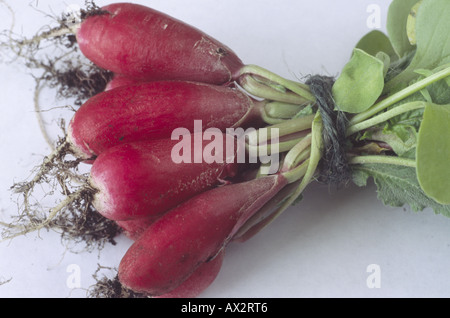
[391, 160]
[300, 89]
[383, 117]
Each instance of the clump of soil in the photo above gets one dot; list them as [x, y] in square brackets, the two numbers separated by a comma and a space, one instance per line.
[111, 288]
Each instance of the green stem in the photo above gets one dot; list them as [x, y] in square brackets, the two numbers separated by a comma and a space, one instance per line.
[279, 147]
[293, 156]
[297, 173]
[287, 127]
[302, 175]
[258, 89]
[294, 125]
[383, 117]
[391, 100]
[314, 158]
[295, 87]
[282, 110]
[268, 119]
[391, 160]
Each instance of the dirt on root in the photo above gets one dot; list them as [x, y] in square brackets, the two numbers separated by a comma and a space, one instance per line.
[53, 58]
[111, 288]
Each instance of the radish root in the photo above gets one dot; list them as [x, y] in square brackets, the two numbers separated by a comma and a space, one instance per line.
[110, 287]
[47, 165]
[53, 59]
[36, 225]
[73, 217]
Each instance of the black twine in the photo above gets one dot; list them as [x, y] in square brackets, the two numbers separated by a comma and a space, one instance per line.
[334, 167]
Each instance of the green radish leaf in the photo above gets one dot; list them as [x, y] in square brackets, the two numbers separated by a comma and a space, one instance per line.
[398, 14]
[397, 186]
[438, 92]
[423, 72]
[426, 94]
[360, 83]
[403, 147]
[375, 42]
[432, 29]
[386, 59]
[433, 153]
[411, 23]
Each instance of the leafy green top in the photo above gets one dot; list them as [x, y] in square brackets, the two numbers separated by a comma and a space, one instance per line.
[409, 116]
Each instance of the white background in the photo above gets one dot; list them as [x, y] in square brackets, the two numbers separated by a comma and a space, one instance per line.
[319, 248]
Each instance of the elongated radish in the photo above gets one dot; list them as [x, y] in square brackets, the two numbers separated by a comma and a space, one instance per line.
[119, 80]
[264, 216]
[146, 44]
[173, 247]
[153, 110]
[199, 280]
[134, 228]
[141, 179]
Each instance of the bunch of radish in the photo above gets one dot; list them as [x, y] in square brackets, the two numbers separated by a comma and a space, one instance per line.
[189, 149]
[168, 77]
[182, 215]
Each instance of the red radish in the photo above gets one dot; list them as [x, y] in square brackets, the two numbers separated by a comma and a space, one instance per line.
[264, 216]
[140, 179]
[146, 44]
[153, 110]
[119, 80]
[199, 280]
[134, 228]
[173, 247]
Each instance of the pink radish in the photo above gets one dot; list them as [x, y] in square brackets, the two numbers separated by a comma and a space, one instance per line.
[134, 228]
[141, 179]
[119, 80]
[173, 247]
[153, 110]
[146, 44]
[199, 280]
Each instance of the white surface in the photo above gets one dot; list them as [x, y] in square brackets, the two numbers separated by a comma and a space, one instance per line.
[319, 248]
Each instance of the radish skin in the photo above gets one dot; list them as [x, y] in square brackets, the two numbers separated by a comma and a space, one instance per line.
[134, 228]
[173, 247]
[119, 80]
[153, 110]
[199, 280]
[140, 179]
[146, 44]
